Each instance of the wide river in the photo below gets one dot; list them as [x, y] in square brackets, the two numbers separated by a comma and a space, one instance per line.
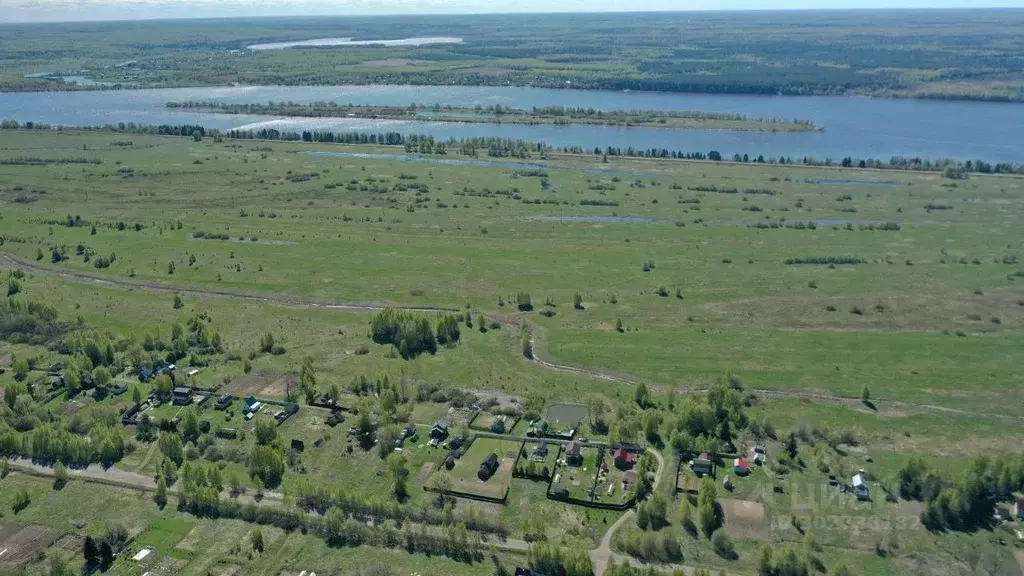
[853, 126]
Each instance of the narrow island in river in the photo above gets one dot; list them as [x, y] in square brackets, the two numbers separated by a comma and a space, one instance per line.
[498, 114]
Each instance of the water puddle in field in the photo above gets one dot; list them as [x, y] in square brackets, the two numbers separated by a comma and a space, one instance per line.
[328, 42]
[598, 219]
[426, 160]
[245, 240]
[844, 182]
[622, 172]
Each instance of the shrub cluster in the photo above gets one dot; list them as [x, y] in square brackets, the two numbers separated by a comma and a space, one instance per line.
[410, 333]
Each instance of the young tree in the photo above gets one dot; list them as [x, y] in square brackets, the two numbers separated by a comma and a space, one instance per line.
[399, 476]
[60, 475]
[266, 464]
[707, 508]
[21, 500]
[651, 424]
[765, 567]
[577, 301]
[791, 445]
[59, 566]
[160, 497]
[235, 484]
[642, 396]
[527, 343]
[523, 301]
[266, 432]
[440, 484]
[170, 446]
[598, 411]
[256, 537]
[101, 378]
[307, 378]
[448, 329]
[106, 554]
[20, 368]
[723, 545]
[90, 551]
[686, 517]
[163, 385]
[5, 468]
[178, 304]
[136, 395]
[865, 394]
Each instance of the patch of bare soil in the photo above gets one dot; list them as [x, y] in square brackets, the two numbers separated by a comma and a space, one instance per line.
[18, 543]
[425, 471]
[745, 519]
[251, 383]
[279, 388]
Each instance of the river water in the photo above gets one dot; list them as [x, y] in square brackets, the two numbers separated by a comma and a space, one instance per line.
[853, 126]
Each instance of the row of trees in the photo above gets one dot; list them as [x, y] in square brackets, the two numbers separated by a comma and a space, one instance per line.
[319, 498]
[551, 560]
[504, 147]
[48, 443]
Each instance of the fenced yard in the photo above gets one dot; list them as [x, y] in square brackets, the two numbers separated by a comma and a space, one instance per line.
[464, 475]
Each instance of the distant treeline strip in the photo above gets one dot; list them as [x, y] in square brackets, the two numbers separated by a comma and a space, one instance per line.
[499, 147]
[23, 161]
[494, 112]
[830, 260]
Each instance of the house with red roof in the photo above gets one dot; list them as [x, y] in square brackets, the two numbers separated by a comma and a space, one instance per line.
[740, 467]
[624, 458]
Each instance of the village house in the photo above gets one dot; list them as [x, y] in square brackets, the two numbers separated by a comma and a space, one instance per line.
[224, 401]
[439, 430]
[574, 454]
[559, 490]
[540, 452]
[702, 464]
[488, 467]
[624, 459]
[740, 467]
[181, 396]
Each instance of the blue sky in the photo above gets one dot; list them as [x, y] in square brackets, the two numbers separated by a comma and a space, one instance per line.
[58, 10]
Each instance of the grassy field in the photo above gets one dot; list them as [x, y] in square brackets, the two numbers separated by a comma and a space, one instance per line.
[682, 275]
[932, 316]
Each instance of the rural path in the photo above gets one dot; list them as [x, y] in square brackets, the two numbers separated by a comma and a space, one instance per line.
[110, 475]
[603, 554]
[12, 261]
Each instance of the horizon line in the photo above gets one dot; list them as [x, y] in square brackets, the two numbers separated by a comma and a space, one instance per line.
[512, 13]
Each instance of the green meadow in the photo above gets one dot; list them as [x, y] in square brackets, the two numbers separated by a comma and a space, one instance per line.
[884, 305]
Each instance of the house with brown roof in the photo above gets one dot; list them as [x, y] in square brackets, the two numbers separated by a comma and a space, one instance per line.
[574, 454]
